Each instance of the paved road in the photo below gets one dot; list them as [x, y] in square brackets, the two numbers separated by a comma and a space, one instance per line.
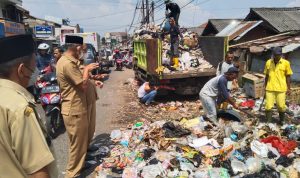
[110, 102]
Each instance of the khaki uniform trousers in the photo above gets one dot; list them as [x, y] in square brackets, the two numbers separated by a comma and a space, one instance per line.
[92, 121]
[76, 126]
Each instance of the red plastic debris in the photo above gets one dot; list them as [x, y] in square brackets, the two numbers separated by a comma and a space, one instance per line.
[248, 104]
[284, 147]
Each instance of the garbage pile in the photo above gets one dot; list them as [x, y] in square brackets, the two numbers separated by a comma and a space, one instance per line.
[195, 148]
[191, 57]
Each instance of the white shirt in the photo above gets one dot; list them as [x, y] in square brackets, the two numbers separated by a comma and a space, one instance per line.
[224, 68]
[141, 91]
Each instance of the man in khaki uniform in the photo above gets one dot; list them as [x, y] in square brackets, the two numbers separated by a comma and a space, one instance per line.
[24, 143]
[74, 87]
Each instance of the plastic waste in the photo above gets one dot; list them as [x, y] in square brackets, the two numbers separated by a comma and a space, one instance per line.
[125, 143]
[172, 131]
[266, 172]
[186, 166]
[284, 147]
[228, 131]
[259, 148]
[103, 151]
[130, 173]
[238, 155]
[273, 150]
[198, 142]
[254, 165]
[218, 173]
[297, 165]
[238, 166]
[234, 137]
[284, 161]
[201, 174]
[138, 125]
[152, 171]
[147, 153]
[173, 173]
[239, 128]
[116, 134]
[101, 175]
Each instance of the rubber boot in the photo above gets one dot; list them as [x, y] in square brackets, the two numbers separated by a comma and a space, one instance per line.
[176, 62]
[269, 116]
[281, 118]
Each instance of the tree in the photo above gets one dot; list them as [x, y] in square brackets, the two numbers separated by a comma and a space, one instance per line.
[103, 41]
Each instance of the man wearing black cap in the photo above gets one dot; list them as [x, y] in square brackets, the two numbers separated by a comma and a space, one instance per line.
[278, 73]
[74, 84]
[215, 92]
[175, 10]
[25, 146]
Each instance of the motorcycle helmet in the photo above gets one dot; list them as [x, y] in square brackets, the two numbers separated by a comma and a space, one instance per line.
[167, 1]
[43, 46]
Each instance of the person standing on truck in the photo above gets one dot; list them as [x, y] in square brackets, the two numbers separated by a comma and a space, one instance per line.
[174, 10]
[175, 34]
[215, 92]
[278, 83]
[147, 93]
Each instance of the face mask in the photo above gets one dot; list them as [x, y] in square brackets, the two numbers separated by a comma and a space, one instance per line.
[33, 77]
[81, 55]
[85, 56]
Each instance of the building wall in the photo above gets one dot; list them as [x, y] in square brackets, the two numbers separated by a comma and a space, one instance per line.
[258, 63]
[293, 57]
[256, 33]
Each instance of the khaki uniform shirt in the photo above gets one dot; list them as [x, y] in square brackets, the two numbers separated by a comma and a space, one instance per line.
[69, 77]
[23, 146]
[91, 93]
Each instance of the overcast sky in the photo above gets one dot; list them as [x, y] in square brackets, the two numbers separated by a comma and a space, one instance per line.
[116, 15]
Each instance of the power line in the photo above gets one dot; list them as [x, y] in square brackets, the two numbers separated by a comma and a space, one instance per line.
[137, 4]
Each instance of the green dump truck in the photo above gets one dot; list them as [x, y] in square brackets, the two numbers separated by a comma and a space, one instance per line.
[148, 58]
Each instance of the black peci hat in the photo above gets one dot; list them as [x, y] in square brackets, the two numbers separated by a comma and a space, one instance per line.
[74, 39]
[15, 47]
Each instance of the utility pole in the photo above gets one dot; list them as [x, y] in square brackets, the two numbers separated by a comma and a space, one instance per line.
[152, 7]
[143, 12]
[148, 12]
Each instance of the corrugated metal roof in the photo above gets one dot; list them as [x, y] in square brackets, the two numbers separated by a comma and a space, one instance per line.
[238, 29]
[220, 24]
[283, 40]
[281, 19]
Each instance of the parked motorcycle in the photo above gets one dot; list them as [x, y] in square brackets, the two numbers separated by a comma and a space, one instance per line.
[50, 99]
[119, 64]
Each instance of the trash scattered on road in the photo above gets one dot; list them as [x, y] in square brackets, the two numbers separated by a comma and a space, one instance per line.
[172, 149]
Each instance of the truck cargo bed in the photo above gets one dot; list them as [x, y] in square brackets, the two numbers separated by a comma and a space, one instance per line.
[188, 74]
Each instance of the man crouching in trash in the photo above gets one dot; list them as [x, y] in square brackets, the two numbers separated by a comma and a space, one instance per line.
[215, 92]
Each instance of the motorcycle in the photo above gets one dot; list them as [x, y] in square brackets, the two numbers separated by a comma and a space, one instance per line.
[119, 64]
[50, 99]
[128, 64]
